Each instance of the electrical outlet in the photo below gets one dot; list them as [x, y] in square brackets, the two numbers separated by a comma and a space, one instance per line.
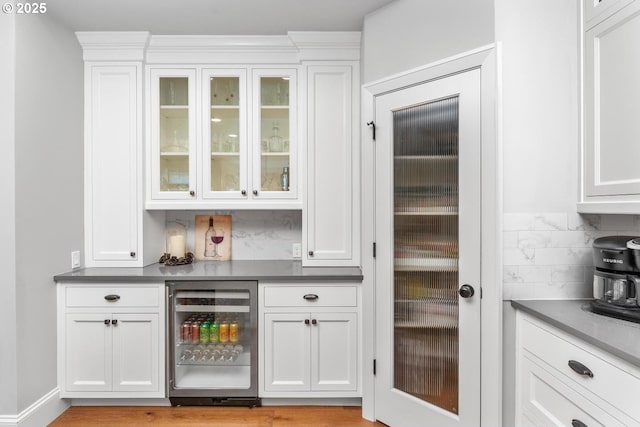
[75, 259]
[296, 249]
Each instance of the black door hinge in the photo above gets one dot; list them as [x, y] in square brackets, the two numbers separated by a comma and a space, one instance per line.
[374, 366]
[374, 249]
[373, 125]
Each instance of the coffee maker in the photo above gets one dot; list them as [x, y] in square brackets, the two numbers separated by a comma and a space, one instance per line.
[616, 280]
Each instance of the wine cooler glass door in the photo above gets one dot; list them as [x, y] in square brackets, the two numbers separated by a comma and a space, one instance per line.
[428, 239]
[213, 346]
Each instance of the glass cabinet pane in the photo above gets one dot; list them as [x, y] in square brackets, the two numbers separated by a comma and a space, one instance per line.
[174, 133]
[224, 119]
[275, 134]
[426, 252]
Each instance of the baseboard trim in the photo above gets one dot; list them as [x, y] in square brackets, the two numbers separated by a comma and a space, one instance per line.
[325, 401]
[39, 413]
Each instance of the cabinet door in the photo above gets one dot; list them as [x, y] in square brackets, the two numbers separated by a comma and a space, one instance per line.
[612, 107]
[136, 352]
[87, 355]
[334, 351]
[287, 351]
[172, 134]
[330, 225]
[224, 160]
[275, 145]
[112, 141]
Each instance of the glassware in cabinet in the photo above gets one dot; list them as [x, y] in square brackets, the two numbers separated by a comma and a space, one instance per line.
[276, 132]
[172, 133]
[225, 134]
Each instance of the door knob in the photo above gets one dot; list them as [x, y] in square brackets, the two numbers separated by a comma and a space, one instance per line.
[466, 291]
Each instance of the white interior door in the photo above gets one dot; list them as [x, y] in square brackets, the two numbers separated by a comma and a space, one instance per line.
[428, 247]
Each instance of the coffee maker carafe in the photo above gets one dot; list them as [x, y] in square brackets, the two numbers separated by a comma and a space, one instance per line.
[616, 280]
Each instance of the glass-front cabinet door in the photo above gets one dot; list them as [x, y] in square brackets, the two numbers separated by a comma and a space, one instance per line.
[224, 160]
[274, 134]
[173, 126]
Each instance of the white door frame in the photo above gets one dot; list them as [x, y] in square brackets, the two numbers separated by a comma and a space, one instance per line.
[487, 60]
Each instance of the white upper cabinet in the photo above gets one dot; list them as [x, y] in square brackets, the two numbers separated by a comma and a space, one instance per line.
[331, 211]
[275, 134]
[610, 172]
[113, 141]
[225, 142]
[172, 131]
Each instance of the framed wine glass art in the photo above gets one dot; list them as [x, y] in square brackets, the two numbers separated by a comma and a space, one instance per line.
[213, 237]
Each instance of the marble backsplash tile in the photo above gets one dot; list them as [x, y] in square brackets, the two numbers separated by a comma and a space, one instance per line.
[257, 235]
[548, 255]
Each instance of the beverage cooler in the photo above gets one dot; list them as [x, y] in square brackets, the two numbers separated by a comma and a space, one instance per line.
[212, 343]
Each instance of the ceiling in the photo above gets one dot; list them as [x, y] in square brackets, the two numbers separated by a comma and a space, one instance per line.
[215, 17]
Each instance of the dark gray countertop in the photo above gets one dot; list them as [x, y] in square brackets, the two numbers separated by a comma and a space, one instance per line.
[263, 270]
[618, 337]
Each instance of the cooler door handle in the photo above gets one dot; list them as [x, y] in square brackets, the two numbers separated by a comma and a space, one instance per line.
[580, 369]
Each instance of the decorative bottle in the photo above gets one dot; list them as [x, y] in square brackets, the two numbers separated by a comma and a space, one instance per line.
[284, 179]
[209, 246]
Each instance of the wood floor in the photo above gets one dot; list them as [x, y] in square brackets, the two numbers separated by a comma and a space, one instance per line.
[201, 416]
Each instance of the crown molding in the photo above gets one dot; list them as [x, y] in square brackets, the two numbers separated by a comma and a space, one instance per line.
[113, 45]
[293, 48]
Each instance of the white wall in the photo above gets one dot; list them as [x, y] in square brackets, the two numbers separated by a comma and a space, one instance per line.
[547, 244]
[540, 42]
[48, 190]
[8, 376]
[410, 33]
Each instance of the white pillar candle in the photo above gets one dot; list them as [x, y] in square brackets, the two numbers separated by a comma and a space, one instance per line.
[178, 246]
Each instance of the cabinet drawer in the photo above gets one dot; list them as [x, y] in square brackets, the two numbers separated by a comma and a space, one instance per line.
[548, 401]
[619, 387]
[117, 296]
[294, 296]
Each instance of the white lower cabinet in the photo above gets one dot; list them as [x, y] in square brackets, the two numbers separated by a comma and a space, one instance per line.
[309, 341]
[564, 381]
[111, 340]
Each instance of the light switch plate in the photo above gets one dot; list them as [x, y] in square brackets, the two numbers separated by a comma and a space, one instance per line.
[75, 259]
[296, 250]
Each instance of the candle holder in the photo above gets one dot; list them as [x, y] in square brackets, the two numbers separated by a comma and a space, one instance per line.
[176, 244]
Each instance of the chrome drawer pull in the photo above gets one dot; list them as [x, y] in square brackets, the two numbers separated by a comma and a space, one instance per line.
[112, 297]
[580, 369]
[578, 423]
[310, 297]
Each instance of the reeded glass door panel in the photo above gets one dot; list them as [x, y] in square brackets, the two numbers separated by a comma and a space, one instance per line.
[174, 133]
[275, 134]
[425, 141]
[226, 133]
